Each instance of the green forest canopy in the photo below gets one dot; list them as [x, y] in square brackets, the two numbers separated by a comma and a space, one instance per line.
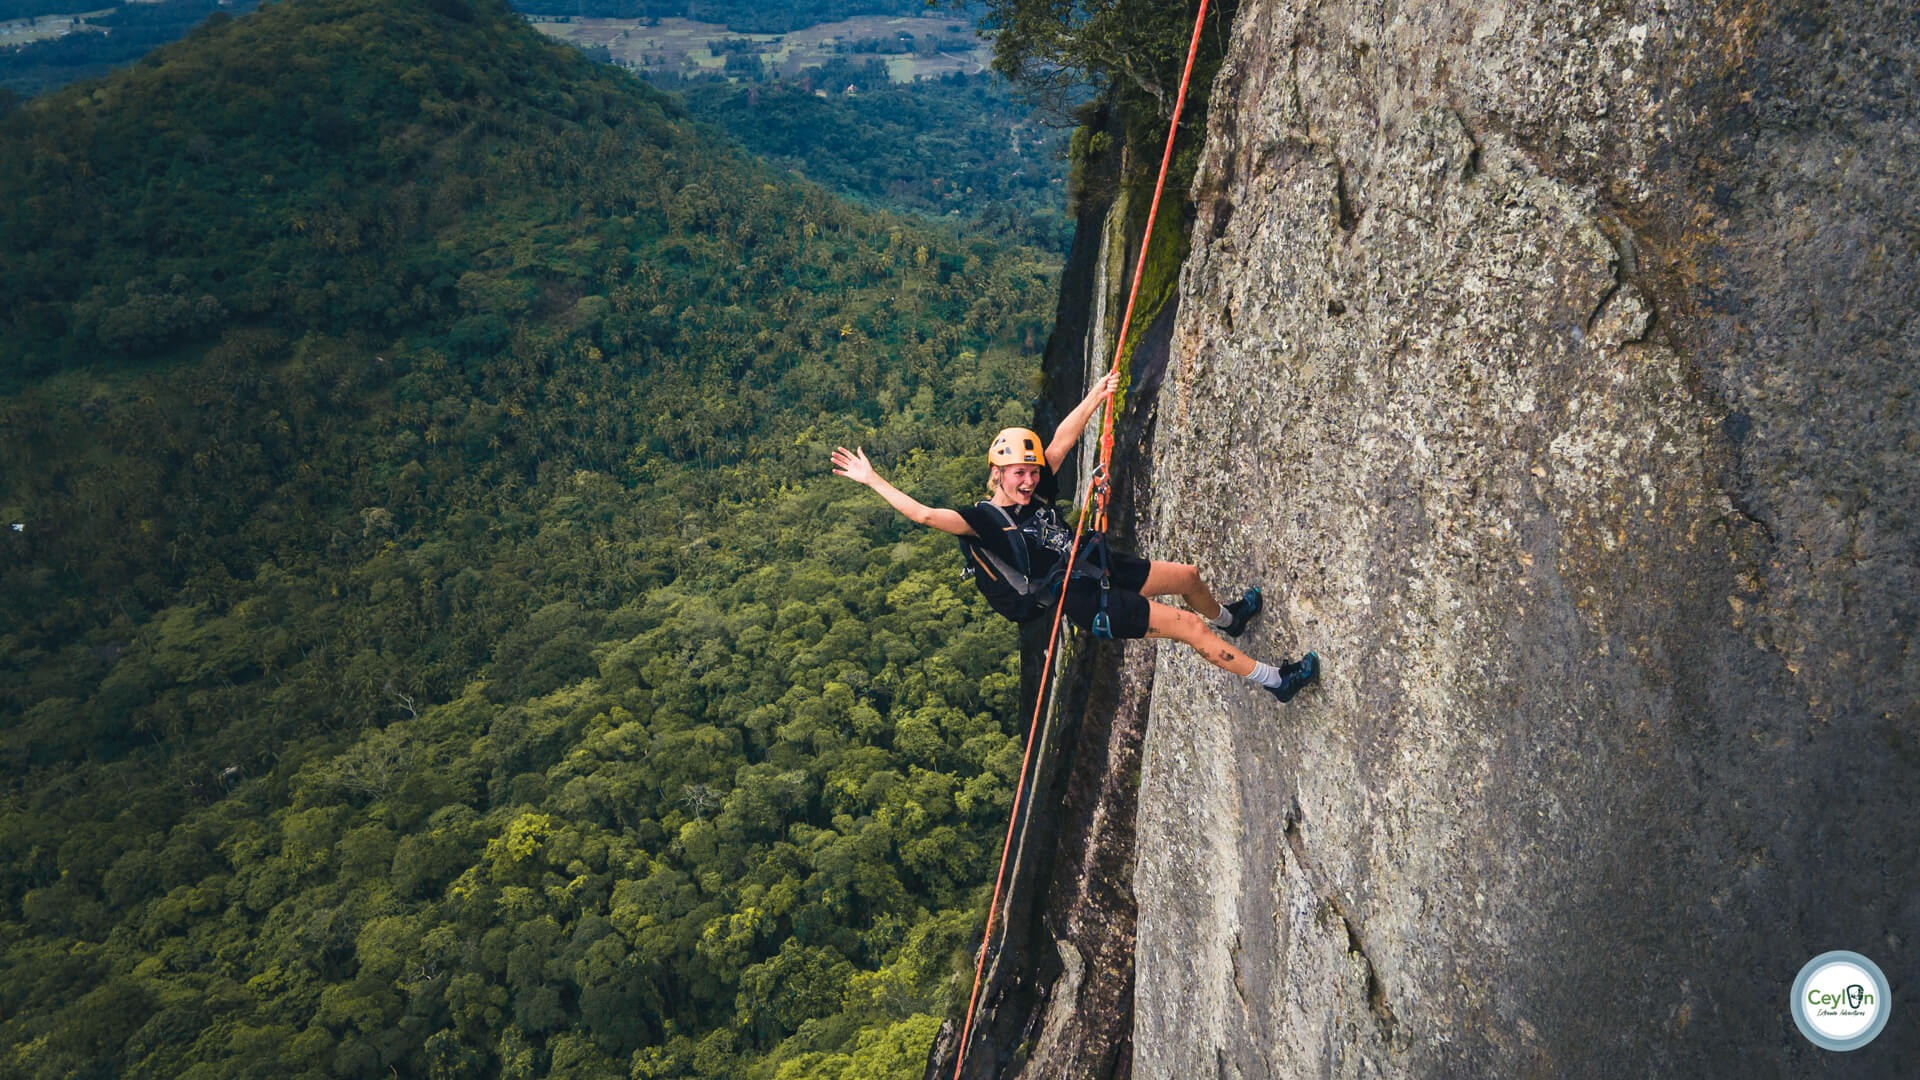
[961, 146]
[433, 644]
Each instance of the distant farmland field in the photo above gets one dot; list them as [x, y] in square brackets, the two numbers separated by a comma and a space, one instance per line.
[912, 47]
[47, 27]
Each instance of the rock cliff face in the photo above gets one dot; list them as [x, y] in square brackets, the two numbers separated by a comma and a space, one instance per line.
[1551, 364]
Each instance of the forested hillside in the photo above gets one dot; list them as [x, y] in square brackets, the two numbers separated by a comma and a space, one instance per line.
[959, 145]
[962, 146]
[431, 644]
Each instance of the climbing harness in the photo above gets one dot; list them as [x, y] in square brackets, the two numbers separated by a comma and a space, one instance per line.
[1096, 502]
[1012, 589]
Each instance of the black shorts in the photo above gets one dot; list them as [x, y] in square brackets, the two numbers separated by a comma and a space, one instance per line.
[1127, 610]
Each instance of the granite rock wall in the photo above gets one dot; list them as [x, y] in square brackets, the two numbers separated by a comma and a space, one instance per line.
[1551, 365]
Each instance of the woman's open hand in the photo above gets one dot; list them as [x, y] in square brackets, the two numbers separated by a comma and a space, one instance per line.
[853, 465]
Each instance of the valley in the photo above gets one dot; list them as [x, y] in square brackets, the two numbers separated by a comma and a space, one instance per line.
[912, 48]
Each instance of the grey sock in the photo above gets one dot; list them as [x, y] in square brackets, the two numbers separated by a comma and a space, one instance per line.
[1224, 619]
[1264, 674]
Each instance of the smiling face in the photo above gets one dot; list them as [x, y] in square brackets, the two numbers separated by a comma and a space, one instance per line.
[1016, 483]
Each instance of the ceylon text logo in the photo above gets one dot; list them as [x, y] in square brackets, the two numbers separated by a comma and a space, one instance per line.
[1841, 1000]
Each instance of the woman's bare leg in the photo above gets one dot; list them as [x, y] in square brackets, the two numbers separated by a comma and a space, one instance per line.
[1190, 629]
[1182, 580]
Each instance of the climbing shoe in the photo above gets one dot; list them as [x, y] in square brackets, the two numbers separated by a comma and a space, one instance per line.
[1242, 612]
[1294, 677]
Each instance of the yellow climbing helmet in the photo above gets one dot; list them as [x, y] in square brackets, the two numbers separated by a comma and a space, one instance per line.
[1016, 446]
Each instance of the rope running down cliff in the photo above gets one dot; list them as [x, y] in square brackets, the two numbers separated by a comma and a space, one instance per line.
[1095, 500]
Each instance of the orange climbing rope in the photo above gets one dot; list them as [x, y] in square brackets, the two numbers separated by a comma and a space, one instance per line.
[1094, 499]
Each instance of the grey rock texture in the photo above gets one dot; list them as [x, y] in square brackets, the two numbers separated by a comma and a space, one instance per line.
[1552, 366]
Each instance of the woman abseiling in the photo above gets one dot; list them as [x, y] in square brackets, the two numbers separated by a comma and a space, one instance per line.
[1017, 545]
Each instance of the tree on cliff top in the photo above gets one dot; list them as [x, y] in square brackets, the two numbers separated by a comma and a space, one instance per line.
[1131, 49]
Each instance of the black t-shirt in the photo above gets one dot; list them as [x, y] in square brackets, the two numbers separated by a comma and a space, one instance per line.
[1036, 526]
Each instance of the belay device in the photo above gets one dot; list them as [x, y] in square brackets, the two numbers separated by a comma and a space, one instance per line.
[1094, 562]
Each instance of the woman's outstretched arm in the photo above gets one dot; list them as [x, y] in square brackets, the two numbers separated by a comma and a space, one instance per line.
[1068, 433]
[853, 465]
